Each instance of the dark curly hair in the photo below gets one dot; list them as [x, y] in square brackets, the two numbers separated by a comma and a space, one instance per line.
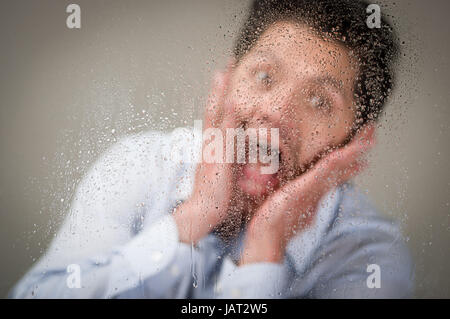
[375, 49]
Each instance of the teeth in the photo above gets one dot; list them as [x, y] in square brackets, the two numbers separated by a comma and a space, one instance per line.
[268, 149]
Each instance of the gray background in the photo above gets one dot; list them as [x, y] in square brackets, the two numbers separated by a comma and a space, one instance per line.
[66, 95]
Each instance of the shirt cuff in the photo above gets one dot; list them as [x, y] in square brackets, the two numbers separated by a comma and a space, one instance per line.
[257, 280]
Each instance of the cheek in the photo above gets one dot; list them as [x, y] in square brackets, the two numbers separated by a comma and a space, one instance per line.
[317, 137]
[341, 126]
[312, 144]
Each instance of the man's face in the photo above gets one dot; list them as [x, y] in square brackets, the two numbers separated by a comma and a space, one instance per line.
[301, 84]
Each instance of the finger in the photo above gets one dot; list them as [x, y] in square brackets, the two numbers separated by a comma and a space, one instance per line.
[219, 91]
[224, 107]
[343, 163]
[357, 148]
[366, 137]
[346, 163]
[348, 172]
[213, 100]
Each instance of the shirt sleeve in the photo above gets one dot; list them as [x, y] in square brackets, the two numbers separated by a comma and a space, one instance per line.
[253, 281]
[131, 270]
[109, 245]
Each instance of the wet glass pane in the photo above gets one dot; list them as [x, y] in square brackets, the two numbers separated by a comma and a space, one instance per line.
[211, 149]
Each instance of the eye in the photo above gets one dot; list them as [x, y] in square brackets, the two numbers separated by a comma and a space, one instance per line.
[263, 77]
[319, 102]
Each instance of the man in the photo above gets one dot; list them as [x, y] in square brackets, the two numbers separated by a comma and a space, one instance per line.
[153, 219]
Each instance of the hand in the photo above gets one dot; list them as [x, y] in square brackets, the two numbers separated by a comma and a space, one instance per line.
[213, 187]
[292, 208]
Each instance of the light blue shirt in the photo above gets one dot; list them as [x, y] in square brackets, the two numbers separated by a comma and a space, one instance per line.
[123, 241]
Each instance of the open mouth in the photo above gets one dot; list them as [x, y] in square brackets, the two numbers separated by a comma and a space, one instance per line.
[272, 153]
[267, 164]
[262, 153]
[254, 180]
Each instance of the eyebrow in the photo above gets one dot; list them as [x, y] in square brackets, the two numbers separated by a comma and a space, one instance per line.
[328, 81]
[268, 54]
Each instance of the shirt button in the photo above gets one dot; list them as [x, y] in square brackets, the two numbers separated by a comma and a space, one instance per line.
[174, 270]
[100, 260]
[218, 288]
[157, 256]
[235, 293]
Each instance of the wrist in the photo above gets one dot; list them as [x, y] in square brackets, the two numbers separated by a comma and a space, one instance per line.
[189, 229]
[267, 246]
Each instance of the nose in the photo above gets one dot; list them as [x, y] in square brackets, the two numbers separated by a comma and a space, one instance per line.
[269, 110]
